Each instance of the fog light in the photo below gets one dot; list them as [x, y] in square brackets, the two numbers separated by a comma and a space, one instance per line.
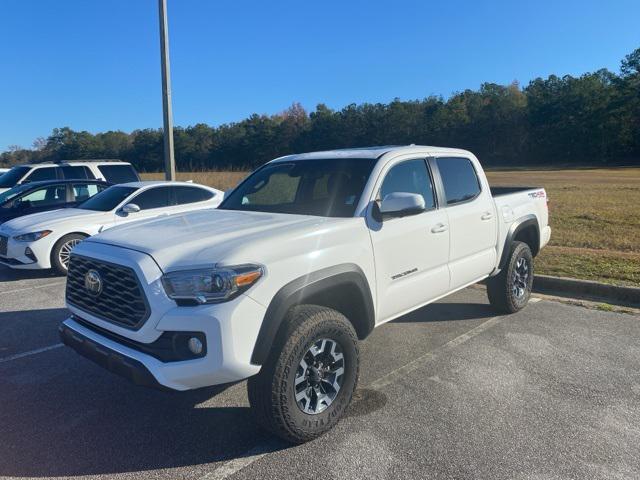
[29, 254]
[195, 345]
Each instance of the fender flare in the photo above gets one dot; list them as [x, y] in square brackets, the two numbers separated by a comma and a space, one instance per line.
[307, 288]
[514, 229]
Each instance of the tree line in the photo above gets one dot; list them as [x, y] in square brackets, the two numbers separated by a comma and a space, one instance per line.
[585, 120]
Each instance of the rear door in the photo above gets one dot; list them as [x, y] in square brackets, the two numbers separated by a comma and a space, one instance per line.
[185, 198]
[411, 252]
[471, 212]
[76, 172]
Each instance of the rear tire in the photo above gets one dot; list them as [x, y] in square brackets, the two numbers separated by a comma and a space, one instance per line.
[308, 380]
[510, 290]
[62, 250]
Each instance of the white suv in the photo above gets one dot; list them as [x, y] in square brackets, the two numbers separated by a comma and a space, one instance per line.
[305, 257]
[111, 171]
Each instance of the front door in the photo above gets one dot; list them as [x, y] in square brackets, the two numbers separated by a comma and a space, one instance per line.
[411, 252]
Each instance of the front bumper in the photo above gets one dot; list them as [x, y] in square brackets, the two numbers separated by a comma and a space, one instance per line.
[16, 254]
[226, 336]
[108, 358]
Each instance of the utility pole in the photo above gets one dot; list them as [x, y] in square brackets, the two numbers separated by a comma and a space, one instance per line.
[169, 160]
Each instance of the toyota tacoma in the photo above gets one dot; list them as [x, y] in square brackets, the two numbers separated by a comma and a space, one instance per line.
[300, 262]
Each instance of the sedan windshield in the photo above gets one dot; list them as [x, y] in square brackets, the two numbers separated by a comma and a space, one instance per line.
[13, 176]
[327, 188]
[107, 199]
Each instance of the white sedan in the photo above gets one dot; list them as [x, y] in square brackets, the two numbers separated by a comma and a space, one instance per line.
[45, 240]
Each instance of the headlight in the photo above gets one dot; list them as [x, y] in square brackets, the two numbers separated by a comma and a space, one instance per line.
[211, 285]
[32, 237]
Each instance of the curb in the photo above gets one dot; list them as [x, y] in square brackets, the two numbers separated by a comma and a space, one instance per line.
[627, 296]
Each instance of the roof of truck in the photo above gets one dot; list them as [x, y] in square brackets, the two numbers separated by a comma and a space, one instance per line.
[370, 152]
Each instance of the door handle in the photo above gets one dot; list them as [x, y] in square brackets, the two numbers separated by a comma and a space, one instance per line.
[439, 228]
[487, 216]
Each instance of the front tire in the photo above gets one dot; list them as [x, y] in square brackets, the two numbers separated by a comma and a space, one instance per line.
[510, 290]
[61, 252]
[308, 380]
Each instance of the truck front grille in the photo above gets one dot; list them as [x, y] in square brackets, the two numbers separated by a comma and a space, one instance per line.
[114, 295]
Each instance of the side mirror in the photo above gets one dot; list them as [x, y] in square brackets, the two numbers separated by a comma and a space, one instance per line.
[131, 208]
[401, 204]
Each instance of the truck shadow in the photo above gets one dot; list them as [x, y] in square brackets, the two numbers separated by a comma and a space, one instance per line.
[83, 422]
[447, 312]
[61, 415]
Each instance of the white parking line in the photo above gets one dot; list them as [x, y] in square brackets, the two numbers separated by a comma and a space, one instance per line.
[237, 464]
[32, 352]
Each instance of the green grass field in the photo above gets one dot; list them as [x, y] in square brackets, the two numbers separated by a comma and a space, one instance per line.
[595, 217]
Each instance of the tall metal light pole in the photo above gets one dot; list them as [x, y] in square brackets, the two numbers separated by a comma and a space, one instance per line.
[169, 160]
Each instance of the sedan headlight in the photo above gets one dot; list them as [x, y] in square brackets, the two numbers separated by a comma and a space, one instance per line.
[32, 237]
[211, 285]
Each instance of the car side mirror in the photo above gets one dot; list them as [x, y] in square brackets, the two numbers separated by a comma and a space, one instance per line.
[401, 204]
[131, 208]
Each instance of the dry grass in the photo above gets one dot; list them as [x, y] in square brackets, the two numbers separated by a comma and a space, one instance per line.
[219, 180]
[595, 217]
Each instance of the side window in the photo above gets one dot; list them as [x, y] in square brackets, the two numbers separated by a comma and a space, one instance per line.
[44, 173]
[411, 176]
[76, 172]
[118, 173]
[84, 191]
[185, 195]
[156, 197]
[459, 179]
[44, 197]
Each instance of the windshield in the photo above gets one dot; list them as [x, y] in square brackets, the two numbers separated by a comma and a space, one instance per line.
[12, 193]
[327, 188]
[13, 176]
[107, 199]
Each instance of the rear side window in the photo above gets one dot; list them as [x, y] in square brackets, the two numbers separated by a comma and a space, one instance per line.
[185, 195]
[84, 191]
[76, 172]
[459, 179]
[45, 173]
[157, 197]
[411, 176]
[118, 173]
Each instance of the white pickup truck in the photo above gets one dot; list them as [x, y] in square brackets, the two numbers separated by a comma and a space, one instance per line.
[304, 258]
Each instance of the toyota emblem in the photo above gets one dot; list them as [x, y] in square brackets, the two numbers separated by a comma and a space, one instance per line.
[93, 282]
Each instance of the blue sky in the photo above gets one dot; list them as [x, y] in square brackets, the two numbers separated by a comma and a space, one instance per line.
[94, 65]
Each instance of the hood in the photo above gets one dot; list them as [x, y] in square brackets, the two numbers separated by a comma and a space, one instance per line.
[201, 237]
[49, 219]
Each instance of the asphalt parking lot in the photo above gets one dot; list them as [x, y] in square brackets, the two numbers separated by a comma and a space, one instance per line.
[450, 391]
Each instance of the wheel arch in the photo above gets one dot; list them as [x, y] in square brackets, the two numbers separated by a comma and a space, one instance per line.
[342, 287]
[525, 229]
